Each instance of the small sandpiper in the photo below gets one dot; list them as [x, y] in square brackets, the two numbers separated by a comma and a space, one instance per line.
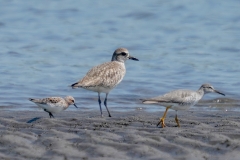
[54, 104]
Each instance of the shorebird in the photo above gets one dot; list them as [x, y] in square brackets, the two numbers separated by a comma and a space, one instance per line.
[181, 99]
[54, 104]
[104, 77]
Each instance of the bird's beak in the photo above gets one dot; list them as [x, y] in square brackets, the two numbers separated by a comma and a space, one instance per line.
[133, 58]
[218, 92]
[75, 105]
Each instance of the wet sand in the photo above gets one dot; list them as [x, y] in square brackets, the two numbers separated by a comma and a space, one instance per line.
[213, 135]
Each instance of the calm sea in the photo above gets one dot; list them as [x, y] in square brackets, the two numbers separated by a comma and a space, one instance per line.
[47, 45]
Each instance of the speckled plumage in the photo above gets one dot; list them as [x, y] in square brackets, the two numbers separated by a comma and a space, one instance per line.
[106, 76]
[54, 104]
[181, 99]
[103, 78]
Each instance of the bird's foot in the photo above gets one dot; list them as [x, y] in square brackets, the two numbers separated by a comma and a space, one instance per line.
[51, 115]
[161, 122]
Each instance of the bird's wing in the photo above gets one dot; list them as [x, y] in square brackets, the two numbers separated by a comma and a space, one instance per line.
[177, 96]
[107, 74]
[46, 100]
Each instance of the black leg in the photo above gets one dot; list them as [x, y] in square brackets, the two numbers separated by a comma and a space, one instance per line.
[99, 101]
[105, 103]
[50, 114]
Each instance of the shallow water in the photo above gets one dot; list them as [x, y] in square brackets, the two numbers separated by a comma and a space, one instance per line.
[46, 46]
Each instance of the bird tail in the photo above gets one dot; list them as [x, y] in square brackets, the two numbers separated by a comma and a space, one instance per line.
[147, 101]
[31, 99]
[75, 85]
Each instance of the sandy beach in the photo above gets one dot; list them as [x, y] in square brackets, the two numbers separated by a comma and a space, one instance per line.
[84, 135]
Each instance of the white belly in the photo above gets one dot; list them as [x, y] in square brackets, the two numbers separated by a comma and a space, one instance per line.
[51, 107]
[99, 89]
[184, 106]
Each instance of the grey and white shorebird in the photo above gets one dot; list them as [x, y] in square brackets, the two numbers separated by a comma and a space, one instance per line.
[104, 77]
[181, 99]
[54, 104]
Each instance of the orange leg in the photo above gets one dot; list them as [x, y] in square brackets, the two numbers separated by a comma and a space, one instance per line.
[176, 119]
[161, 121]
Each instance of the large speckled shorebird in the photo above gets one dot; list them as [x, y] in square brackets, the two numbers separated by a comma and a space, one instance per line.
[104, 77]
[181, 99]
[54, 104]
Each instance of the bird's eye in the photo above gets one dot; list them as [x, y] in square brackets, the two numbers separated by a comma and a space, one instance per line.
[123, 53]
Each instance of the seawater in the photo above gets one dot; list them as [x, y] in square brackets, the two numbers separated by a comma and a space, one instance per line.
[47, 45]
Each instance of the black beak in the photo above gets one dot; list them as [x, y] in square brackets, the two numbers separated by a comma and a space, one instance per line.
[75, 105]
[133, 58]
[219, 92]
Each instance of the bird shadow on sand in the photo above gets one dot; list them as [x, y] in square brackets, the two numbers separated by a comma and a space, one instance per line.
[33, 120]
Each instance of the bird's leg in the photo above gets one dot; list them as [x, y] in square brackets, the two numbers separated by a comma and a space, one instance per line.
[50, 114]
[176, 119]
[105, 103]
[161, 121]
[99, 101]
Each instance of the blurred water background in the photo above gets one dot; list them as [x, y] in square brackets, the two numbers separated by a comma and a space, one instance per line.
[47, 45]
